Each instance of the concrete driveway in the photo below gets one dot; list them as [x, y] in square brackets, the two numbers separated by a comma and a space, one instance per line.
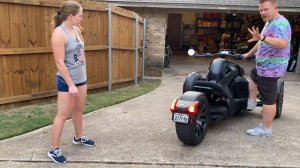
[140, 133]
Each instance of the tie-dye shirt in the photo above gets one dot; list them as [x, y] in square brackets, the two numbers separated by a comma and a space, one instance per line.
[271, 61]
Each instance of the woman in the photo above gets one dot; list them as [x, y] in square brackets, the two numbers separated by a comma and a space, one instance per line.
[71, 78]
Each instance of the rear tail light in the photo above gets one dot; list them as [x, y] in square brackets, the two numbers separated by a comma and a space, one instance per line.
[173, 106]
[193, 108]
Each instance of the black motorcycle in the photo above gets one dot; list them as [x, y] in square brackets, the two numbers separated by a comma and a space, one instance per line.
[211, 97]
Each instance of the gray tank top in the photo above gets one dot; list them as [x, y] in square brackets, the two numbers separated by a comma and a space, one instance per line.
[74, 57]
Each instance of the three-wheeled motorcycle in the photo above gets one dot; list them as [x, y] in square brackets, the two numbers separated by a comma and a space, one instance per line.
[211, 97]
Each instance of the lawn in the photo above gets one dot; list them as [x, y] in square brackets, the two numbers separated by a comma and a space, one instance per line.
[25, 119]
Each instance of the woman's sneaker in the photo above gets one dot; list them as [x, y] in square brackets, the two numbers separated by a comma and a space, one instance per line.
[57, 156]
[84, 140]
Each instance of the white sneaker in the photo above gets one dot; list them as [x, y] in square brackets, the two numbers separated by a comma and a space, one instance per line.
[251, 105]
[260, 131]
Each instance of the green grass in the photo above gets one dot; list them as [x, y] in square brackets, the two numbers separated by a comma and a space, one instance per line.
[25, 119]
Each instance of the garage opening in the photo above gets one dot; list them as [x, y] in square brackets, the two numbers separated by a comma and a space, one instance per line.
[209, 32]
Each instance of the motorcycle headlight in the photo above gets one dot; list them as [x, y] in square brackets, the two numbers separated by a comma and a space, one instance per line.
[191, 52]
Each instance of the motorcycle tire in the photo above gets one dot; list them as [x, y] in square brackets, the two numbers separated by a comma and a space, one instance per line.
[279, 100]
[194, 133]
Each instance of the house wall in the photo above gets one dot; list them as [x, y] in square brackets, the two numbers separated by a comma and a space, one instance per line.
[155, 38]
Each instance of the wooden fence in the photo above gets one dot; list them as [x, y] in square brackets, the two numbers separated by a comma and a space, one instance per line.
[27, 68]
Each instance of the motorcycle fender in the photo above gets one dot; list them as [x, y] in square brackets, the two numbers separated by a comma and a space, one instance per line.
[182, 106]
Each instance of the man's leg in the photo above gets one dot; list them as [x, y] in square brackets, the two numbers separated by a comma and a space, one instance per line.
[269, 112]
[268, 90]
[253, 91]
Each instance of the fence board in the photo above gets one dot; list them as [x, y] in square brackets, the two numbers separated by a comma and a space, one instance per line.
[100, 27]
[4, 26]
[27, 97]
[105, 29]
[25, 66]
[88, 30]
[40, 14]
[15, 43]
[17, 74]
[25, 51]
[115, 67]
[42, 59]
[14, 26]
[95, 66]
[52, 72]
[1, 79]
[24, 42]
[95, 19]
[7, 76]
[89, 68]
[23, 20]
[32, 26]
[48, 26]
[34, 73]
[103, 66]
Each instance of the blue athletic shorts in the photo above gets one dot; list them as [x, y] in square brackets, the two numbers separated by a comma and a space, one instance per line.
[62, 86]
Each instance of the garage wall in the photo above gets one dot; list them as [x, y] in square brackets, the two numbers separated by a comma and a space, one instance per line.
[188, 17]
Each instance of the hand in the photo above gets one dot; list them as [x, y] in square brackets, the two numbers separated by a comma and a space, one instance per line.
[255, 34]
[73, 90]
[245, 56]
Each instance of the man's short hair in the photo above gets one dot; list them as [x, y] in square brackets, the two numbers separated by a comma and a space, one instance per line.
[271, 1]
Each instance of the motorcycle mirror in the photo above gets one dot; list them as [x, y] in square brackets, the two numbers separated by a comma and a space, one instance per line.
[191, 52]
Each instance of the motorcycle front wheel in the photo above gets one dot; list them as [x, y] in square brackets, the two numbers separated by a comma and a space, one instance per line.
[194, 133]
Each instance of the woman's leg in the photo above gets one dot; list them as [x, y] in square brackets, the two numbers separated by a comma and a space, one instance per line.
[77, 112]
[64, 102]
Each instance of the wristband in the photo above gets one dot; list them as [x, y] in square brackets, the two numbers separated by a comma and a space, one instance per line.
[264, 38]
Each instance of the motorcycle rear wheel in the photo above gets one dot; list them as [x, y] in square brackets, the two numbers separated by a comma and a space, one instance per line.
[193, 134]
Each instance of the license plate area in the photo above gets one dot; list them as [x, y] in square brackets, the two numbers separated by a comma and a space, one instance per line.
[181, 118]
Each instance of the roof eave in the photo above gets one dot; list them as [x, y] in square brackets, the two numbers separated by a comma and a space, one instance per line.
[196, 6]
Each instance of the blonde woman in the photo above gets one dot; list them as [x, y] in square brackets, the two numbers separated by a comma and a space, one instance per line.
[71, 79]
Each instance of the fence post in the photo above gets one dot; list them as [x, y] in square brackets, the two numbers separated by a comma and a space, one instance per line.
[144, 46]
[109, 48]
[136, 47]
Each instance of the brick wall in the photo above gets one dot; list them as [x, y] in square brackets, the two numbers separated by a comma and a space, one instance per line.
[155, 38]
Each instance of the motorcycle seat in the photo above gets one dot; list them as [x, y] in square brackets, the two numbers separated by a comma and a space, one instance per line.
[220, 68]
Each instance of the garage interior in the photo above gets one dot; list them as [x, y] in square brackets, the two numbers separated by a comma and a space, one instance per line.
[211, 31]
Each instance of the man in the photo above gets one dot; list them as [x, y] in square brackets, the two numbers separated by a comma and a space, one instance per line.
[272, 56]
